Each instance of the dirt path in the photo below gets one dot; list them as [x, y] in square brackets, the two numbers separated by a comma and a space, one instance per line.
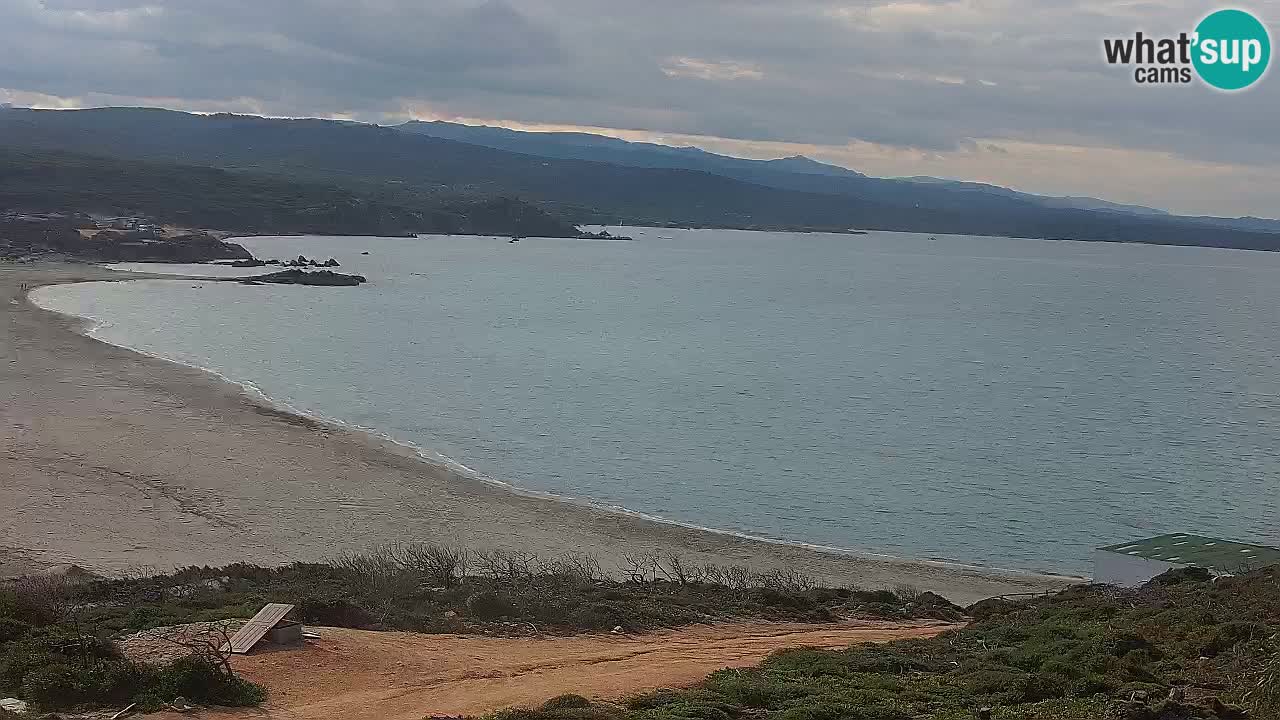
[358, 675]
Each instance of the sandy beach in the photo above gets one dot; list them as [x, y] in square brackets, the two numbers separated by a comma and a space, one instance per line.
[113, 460]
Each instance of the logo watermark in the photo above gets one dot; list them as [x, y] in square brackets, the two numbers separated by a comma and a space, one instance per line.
[1228, 50]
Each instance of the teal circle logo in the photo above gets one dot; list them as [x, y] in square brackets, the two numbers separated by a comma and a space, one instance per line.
[1232, 49]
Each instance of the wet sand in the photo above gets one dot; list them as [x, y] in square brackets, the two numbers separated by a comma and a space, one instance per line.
[113, 460]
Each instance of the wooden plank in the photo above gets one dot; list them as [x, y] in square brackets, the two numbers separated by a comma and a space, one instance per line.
[254, 630]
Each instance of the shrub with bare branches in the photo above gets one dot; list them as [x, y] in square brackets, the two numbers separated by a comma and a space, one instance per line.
[581, 567]
[47, 597]
[442, 566]
[506, 567]
[641, 567]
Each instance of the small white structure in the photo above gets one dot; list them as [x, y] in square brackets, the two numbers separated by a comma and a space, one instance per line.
[269, 620]
[1133, 563]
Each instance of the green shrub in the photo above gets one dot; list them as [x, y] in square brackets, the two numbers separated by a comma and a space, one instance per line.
[334, 612]
[1183, 575]
[62, 685]
[668, 697]
[1043, 686]
[780, 599]
[8, 604]
[152, 616]
[1119, 642]
[992, 608]
[885, 597]
[201, 681]
[490, 605]
[24, 607]
[591, 712]
[684, 705]
[753, 689]
[992, 681]
[838, 711]
[1228, 635]
[17, 661]
[561, 702]
[861, 659]
[12, 629]
[67, 642]
[1092, 684]
[55, 685]
[699, 711]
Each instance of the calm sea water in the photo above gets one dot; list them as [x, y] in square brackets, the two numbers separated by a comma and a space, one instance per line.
[1005, 402]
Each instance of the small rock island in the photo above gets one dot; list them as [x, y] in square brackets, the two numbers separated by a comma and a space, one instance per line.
[327, 278]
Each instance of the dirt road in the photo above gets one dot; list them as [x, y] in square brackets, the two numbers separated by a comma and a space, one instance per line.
[358, 675]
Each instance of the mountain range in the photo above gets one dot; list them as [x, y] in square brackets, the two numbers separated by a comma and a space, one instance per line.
[580, 178]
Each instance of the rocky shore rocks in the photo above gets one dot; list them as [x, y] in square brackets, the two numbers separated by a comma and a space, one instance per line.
[302, 277]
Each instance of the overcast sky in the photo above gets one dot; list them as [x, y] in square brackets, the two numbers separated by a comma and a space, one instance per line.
[1013, 92]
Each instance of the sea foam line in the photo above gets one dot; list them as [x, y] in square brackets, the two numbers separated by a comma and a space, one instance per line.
[94, 326]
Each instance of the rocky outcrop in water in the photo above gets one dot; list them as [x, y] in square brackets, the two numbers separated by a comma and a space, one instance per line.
[302, 277]
[303, 261]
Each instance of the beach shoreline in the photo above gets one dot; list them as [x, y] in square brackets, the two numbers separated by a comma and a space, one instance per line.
[122, 460]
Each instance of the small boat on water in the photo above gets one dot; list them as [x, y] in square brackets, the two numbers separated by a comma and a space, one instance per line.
[514, 239]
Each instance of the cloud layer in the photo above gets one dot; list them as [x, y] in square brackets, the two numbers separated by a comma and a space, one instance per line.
[1008, 91]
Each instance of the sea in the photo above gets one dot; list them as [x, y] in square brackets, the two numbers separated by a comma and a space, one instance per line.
[1000, 402]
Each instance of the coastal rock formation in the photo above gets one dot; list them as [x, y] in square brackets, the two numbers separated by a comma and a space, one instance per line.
[302, 277]
[303, 261]
[71, 235]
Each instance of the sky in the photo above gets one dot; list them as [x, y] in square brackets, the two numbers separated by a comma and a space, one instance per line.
[1011, 92]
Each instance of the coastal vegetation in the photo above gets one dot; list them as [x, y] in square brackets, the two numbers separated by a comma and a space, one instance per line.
[1183, 647]
[58, 634]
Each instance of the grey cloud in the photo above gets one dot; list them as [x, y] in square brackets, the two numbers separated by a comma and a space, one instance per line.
[926, 74]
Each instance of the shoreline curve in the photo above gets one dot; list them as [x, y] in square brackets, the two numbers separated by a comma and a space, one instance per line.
[957, 580]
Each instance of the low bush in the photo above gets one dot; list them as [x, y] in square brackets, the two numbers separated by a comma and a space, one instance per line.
[430, 588]
[562, 702]
[202, 681]
[63, 685]
[12, 629]
[66, 664]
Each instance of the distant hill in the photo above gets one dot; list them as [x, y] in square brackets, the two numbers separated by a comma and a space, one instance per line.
[916, 191]
[410, 169]
[1080, 203]
[205, 197]
[800, 173]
